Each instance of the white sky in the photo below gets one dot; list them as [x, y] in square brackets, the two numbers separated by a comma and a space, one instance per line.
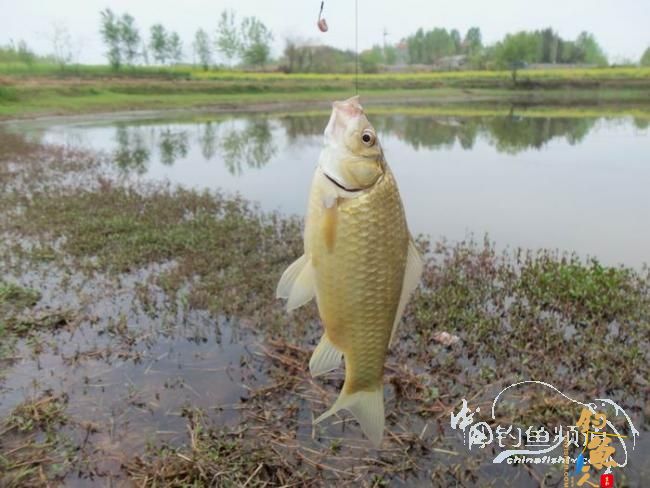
[621, 26]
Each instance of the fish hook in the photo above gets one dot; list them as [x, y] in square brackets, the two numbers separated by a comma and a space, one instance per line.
[322, 23]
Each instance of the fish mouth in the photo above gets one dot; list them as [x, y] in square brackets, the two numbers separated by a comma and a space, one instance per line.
[342, 187]
[349, 108]
[342, 113]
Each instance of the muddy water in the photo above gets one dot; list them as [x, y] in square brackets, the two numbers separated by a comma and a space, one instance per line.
[575, 184]
[127, 372]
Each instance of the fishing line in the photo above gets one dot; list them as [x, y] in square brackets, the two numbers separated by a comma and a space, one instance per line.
[322, 25]
[356, 47]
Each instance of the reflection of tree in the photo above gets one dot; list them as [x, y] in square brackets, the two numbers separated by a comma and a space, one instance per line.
[430, 132]
[252, 146]
[513, 134]
[208, 140]
[302, 126]
[173, 145]
[510, 134]
[250, 143]
[640, 123]
[131, 154]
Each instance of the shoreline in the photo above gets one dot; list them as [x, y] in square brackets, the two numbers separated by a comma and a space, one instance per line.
[46, 96]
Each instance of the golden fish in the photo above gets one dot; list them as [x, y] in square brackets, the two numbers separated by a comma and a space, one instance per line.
[360, 263]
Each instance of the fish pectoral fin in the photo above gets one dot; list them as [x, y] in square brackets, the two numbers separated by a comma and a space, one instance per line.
[412, 274]
[297, 283]
[367, 407]
[326, 357]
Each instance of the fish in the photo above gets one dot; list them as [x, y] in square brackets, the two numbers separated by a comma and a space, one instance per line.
[360, 263]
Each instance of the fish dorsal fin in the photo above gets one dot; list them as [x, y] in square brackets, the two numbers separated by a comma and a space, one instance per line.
[326, 357]
[297, 284]
[367, 407]
[412, 274]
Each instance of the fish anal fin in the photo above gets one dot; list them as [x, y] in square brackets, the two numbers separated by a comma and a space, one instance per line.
[412, 274]
[297, 283]
[367, 408]
[325, 358]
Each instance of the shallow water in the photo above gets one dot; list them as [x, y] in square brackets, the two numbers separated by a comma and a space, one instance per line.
[575, 184]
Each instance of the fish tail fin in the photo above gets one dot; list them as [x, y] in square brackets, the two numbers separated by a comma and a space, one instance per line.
[367, 407]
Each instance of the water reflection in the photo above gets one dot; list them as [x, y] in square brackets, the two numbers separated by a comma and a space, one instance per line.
[241, 144]
[132, 154]
[173, 145]
[252, 146]
[515, 134]
[250, 143]
[573, 183]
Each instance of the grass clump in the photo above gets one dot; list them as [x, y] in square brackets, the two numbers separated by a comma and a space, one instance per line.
[18, 317]
[15, 298]
[45, 413]
[213, 458]
[32, 451]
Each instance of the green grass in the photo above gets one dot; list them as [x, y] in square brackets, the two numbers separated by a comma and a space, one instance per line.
[193, 73]
[94, 89]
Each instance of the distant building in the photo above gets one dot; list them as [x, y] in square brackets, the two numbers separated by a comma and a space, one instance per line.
[451, 62]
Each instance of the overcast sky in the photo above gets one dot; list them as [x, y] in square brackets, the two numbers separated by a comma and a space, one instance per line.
[621, 26]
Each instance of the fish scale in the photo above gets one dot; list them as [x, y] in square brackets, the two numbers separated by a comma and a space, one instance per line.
[359, 280]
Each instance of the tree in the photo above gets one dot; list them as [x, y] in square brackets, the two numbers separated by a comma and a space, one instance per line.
[25, 54]
[371, 59]
[256, 38]
[61, 44]
[202, 48]
[129, 38]
[589, 49]
[390, 55]
[550, 42]
[645, 59]
[110, 32]
[439, 44]
[473, 42]
[174, 48]
[291, 53]
[455, 38]
[415, 47]
[228, 41]
[428, 47]
[158, 43]
[516, 50]
[145, 53]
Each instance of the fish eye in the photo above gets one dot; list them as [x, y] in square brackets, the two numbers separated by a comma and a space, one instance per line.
[368, 137]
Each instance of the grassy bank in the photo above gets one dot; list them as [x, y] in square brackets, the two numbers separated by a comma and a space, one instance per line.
[89, 90]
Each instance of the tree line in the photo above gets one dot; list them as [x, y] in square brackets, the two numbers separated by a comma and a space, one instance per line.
[539, 46]
[247, 41]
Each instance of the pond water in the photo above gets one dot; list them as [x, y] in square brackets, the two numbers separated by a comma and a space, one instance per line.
[572, 183]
